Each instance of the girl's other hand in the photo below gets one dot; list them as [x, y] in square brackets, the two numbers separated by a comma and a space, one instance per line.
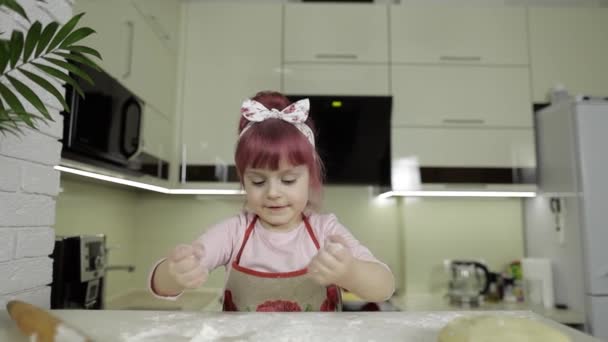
[186, 267]
[332, 262]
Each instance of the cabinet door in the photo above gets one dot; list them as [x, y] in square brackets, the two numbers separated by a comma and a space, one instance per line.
[112, 21]
[336, 32]
[336, 79]
[569, 46]
[131, 52]
[457, 147]
[450, 95]
[598, 309]
[221, 70]
[157, 134]
[163, 17]
[444, 34]
[152, 71]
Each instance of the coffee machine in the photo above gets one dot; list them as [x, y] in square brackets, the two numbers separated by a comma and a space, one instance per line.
[78, 272]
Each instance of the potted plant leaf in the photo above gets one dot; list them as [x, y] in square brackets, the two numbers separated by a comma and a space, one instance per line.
[44, 52]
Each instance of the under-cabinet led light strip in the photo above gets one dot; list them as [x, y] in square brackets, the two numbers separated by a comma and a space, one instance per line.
[149, 186]
[460, 193]
[396, 193]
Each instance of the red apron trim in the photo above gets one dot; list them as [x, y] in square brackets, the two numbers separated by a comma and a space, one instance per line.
[269, 274]
[235, 263]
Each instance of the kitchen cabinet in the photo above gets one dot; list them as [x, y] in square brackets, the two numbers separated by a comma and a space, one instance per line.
[152, 71]
[569, 46]
[163, 18]
[336, 33]
[457, 96]
[222, 70]
[113, 23]
[157, 134]
[131, 52]
[336, 79]
[449, 34]
[465, 147]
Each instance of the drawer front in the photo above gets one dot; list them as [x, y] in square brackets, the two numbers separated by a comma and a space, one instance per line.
[451, 147]
[337, 79]
[443, 34]
[461, 96]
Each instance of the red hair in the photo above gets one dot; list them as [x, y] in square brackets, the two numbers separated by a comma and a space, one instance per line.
[268, 142]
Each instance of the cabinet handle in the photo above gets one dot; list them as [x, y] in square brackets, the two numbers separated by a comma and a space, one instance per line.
[183, 165]
[464, 121]
[460, 58]
[336, 56]
[131, 28]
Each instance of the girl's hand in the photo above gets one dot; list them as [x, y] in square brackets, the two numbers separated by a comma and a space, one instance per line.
[185, 266]
[332, 263]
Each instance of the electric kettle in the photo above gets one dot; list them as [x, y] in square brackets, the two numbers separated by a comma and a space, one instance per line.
[469, 281]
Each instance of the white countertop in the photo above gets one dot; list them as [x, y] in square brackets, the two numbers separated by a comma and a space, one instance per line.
[440, 303]
[134, 326]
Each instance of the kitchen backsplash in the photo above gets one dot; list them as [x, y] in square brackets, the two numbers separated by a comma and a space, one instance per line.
[89, 208]
[412, 236]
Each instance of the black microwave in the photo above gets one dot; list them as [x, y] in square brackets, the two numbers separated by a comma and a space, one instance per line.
[105, 124]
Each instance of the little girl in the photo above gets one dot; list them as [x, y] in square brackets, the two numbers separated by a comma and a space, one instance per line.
[279, 254]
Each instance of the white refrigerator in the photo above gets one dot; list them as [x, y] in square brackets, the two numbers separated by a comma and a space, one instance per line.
[568, 221]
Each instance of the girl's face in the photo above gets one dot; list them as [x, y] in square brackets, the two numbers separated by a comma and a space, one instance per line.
[278, 197]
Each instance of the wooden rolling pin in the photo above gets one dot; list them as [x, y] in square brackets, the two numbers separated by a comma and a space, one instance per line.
[34, 321]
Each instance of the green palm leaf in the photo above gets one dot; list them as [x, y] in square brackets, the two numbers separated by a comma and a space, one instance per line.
[12, 4]
[15, 47]
[60, 75]
[41, 42]
[77, 57]
[8, 123]
[33, 35]
[83, 49]
[77, 36]
[4, 54]
[45, 37]
[63, 32]
[14, 102]
[71, 68]
[30, 96]
[46, 85]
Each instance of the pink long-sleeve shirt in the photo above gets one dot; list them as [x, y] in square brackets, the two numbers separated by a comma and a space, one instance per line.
[269, 250]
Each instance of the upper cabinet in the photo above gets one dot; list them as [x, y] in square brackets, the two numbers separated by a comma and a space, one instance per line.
[335, 79]
[461, 96]
[230, 52]
[569, 46]
[152, 70]
[132, 53]
[113, 21]
[163, 17]
[470, 35]
[336, 33]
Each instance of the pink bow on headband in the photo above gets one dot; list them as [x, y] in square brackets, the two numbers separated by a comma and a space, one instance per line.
[296, 114]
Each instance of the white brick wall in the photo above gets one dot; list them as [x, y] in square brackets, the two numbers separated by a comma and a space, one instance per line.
[29, 184]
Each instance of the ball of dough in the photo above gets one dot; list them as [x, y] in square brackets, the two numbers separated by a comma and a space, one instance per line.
[499, 328]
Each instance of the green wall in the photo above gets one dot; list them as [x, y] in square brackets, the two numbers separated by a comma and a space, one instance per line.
[413, 236]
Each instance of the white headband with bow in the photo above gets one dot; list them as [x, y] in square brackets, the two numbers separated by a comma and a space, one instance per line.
[296, 114]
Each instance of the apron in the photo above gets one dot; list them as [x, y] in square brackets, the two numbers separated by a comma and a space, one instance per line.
[251, 290]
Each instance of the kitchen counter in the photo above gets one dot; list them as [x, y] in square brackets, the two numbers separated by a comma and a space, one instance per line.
[135, 326]
[203, 299]
[439, 303]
